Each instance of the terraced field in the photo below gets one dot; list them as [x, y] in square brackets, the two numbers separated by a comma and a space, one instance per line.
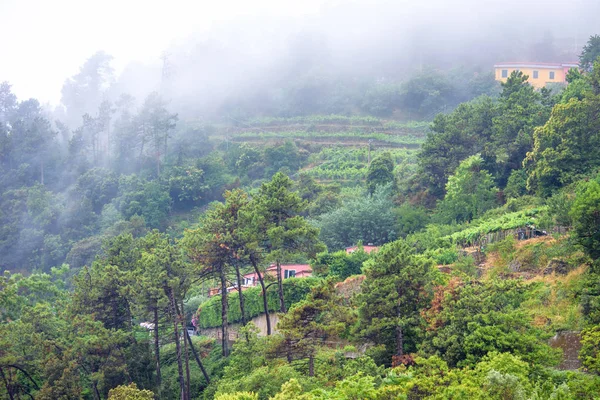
[332, 130]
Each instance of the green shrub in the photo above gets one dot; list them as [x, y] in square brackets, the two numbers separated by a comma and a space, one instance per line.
[506, 248]
[466, 265]
[590, 350]
[446, 256]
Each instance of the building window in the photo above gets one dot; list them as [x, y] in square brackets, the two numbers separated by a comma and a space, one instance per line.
[551, 74]
[505, 73]
[535, 74]
[289, 273]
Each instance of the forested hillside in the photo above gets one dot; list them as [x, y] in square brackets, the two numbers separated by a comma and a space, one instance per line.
[479, 204]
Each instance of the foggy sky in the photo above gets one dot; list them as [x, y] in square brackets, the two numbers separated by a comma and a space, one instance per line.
[43, 42]
[222, 46]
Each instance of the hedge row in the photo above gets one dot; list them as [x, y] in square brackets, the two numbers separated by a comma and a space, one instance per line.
[294, 290]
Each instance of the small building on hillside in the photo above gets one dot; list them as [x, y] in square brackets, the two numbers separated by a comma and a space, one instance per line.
[287, 271]
[368, 249]
[251, 279]
[539, 74]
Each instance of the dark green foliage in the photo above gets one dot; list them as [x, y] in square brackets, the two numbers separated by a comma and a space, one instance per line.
[468, 320]
[99, 186]
[311, 321]
[246, 160]
[285, 157]
[566, 147]
[321, 198]
[590, 350]
[590, 53]
[427, 94]
[454, 137]
[585, 213]
[149, 200]
[516, 186]
[381, 172]
[394, 292]
[501, 131]
[186, 186]
[369, 219]
[84, 252]
[340, 264]
[470, 192]
[520, 110]
[411, 219]
[559, 207]
[590, 298]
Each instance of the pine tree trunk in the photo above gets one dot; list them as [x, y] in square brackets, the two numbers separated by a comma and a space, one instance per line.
[96, 392]
[140, 157]
[264, 296]
[280, 288]
[195, 353]
[311, 365]
[157, 352]
[399, 341]
[399, 333]
[8, 388]
[173, 308]
[186, 352]
[239, 285]
[165, 154]
[157, 166]
[107, 152]
[197, 357]
[42, 171]
[224, 311]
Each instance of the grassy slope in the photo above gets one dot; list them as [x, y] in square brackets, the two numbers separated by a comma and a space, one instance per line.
[553, 301]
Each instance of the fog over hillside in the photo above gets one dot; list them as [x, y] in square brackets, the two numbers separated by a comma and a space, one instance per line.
[204, 57]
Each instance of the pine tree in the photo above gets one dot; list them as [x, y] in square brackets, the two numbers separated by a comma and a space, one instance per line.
[395, 290]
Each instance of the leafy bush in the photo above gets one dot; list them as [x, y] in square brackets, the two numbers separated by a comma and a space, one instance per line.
[130, 392]
[411, 219]
[470, 192]
[590, 350]
[517, 184]
[446, 256]
[340, 263]
[466, 265]
[369, 219]
[469, 320]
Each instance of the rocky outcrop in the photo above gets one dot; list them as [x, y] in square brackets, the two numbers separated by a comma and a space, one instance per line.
[557, 266]
[570, 344]
[515, 266]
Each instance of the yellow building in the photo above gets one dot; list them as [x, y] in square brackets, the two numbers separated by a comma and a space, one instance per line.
[539, 73]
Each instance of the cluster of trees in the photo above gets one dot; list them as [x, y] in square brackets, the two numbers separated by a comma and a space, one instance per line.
[121, 170]
[115, 194]
[83, 342]
[445, 337]
[524, 142]
[93, 331]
